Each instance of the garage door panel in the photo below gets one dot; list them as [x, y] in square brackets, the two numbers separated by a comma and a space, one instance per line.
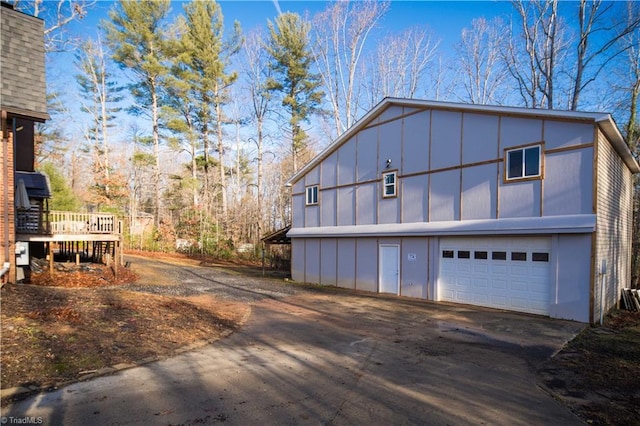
[496, 272]
[499, 301]
[499, 284]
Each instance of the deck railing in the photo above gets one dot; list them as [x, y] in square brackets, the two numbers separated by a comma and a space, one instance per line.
[59, 222]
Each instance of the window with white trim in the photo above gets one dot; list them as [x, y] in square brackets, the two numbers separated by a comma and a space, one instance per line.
[389, 184]
[312, 195]
[523, 163]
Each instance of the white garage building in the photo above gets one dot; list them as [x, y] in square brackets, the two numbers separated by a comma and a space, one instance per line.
[508, 208]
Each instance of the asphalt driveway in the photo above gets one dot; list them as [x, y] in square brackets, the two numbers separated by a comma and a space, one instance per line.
[329, 357]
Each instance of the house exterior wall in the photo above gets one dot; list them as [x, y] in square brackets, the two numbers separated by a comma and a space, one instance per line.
[614, 228]
[570, 296]
[22, 68]
[450, 167]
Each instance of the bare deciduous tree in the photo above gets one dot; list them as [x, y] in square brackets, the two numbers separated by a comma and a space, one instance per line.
[479, 62]
[596, 18]
[258, 73]
[340, 34]
[533, 64]
[57, 15]
[399, 64]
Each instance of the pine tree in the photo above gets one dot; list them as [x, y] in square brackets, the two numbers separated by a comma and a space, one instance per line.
[291, 62]
[137, 38]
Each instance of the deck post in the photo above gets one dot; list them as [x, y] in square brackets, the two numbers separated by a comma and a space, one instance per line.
[50, 254]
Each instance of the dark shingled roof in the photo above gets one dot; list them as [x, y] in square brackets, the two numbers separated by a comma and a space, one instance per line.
[278, 237]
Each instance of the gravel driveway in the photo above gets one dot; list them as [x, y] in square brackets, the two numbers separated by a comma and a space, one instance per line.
[318, 356]
[171, 279]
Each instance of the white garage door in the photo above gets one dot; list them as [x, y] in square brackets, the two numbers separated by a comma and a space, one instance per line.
[504, 273]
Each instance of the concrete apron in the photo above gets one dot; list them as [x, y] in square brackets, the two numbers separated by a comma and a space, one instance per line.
[336, 359]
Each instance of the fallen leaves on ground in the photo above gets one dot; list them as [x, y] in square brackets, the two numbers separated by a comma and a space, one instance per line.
[597, 374]
[59, 328]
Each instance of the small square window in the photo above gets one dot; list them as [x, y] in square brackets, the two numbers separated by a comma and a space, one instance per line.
[447, 254]
[499, 255]
[523, 163]
[464, 254]
[389, 184]
[480, 255]
[519, 255]
[540, 257]
[312, 195]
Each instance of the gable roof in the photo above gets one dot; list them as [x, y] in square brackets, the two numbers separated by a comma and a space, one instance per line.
[603, 120]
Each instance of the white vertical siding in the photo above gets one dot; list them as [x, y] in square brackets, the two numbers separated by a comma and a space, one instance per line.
[415, 157]
[312, 260]
[367, 264]
[346, 162]
[328, 207]
[614, 225]
[367, 155]
[312, 215]
[414, 267]
[297, 259]
[479, 138]
[366, 203]
[445, 139]
[389, 209]
[328, 265]
[516, 131]
[566, 178]
[313, 177]
[330, 171]
[414, 198]
[479, 192]
[518, 199]
[298, 205]
[346, 273]
[562, 134]
[390, 145]
[444, 199]
[571, 277]
[346, 205]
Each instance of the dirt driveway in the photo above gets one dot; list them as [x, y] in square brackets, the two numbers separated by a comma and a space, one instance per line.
[327, 356]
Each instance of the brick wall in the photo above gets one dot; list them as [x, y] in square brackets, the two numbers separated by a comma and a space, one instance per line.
[614, 226]
[6, 169]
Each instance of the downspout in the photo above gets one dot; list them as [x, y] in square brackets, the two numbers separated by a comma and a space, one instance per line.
[5, 170]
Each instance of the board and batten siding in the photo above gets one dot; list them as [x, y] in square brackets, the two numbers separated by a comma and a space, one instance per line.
[352, 263]
[614, 227]
[450, 167]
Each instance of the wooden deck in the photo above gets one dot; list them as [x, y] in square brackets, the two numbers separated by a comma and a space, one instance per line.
[36, 226]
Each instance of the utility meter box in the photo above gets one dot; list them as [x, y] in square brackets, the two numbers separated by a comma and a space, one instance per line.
[22, 253]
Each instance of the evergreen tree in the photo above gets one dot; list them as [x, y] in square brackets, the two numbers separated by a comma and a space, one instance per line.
[291, 62]
[62, 197]
[209, 57]
[137, 38]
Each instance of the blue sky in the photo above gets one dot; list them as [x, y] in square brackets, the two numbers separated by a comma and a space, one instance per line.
[446, 19]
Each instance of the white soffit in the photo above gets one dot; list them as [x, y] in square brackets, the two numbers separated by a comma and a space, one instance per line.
[568, 224]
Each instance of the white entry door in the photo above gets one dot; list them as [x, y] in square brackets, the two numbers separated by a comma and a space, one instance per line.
[389, 269]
